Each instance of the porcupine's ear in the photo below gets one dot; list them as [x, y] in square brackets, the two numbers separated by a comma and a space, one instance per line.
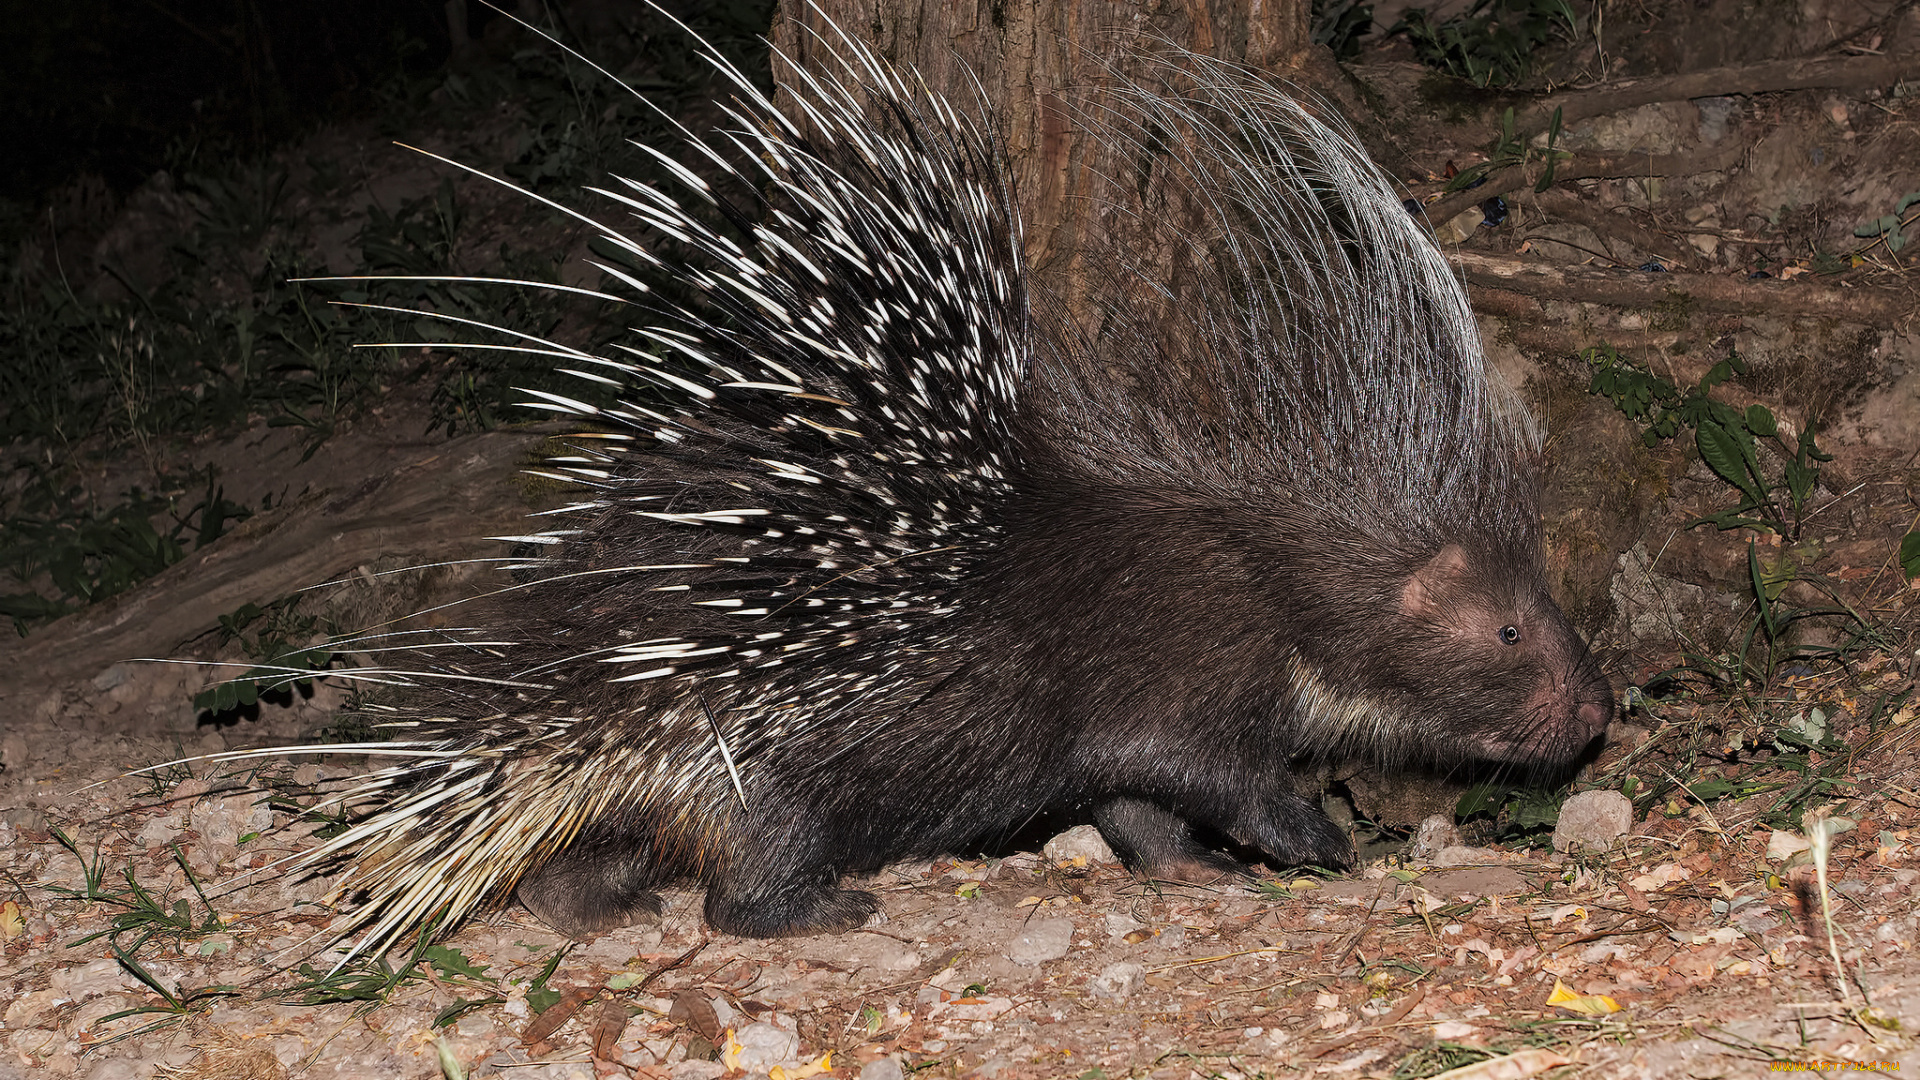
[1428, 592]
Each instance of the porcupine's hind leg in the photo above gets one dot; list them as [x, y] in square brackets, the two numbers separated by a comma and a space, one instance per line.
[591, 888]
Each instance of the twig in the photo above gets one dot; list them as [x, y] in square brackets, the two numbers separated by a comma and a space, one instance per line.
[1703, 804]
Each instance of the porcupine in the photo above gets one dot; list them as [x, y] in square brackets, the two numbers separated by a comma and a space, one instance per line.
[909, 556]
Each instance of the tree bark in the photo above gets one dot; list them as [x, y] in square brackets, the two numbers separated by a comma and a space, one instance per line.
[1033, 66]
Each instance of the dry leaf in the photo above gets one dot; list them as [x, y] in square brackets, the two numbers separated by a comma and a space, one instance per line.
[554, 1015]
[1584, 1004]
[608, 1025]
[812, 1068]
[1785, 845]
[692, 1009]
[1575, 911]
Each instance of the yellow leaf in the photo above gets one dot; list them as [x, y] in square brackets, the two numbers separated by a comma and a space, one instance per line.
[813, 1068]
[1584, 1004]
[730, 1051]
[11, 924]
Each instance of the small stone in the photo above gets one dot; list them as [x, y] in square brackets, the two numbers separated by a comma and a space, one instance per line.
[1593, 820]
[1081, 845]
[885, 1068]
[1118, 981]
[1461, 855]
[1041, 940]
[13, 752]
[764, 1045]
[1435, 834]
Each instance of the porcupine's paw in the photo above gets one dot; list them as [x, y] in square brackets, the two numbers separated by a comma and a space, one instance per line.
[1156, 843]
[583, 896]
[790, 908]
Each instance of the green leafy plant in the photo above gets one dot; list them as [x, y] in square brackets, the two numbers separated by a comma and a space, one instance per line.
[279, 643]
[540, 996]
[1774, 490]
[1492, 43]
[147, 917]
[82, 555]
[1340, 24]
[93, 871]
[1801, 758]
[1910, 555]
[1766, 647]
[1774, 617]
[176, 1005]
[1512, 150]
[1520, 813]
[1888, 229]
[367, 980]
[237, 207]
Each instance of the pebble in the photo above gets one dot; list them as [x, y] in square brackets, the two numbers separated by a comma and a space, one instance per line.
[764, 1045]
[1593, 820]
[1118, 981]
[1081, 845]
[1041, 940]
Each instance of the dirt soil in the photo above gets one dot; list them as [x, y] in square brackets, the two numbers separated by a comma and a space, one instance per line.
[145, 930]
[1027, 966]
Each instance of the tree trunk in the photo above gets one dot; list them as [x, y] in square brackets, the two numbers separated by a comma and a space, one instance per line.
[1033, 66]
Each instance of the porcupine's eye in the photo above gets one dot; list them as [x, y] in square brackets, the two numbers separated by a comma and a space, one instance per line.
[1509, 635]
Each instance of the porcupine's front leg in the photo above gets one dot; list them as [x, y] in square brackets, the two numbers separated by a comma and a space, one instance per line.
[1156, 841]
[1291, 830]
[785, 903]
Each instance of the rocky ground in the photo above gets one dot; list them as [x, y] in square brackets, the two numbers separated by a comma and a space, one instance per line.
[147, 933]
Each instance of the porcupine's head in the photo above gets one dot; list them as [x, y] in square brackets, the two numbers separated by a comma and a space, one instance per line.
[1302, 374]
